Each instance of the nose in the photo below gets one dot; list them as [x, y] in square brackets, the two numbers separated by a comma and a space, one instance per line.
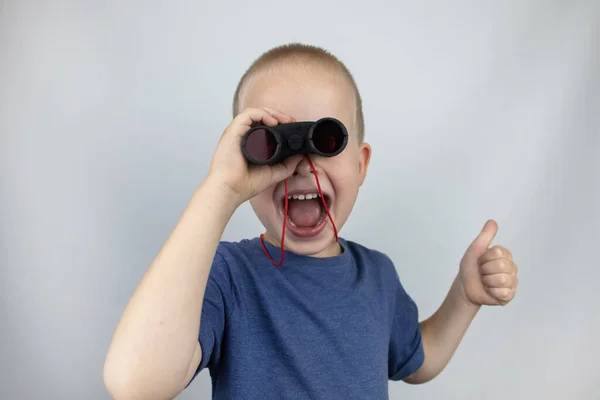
[303, 168]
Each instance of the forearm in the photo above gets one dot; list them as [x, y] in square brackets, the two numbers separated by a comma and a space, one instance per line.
[157, 335]
[443, 332]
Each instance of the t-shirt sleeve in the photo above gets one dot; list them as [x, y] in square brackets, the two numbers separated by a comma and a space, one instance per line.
[216, 309]
[406, 349]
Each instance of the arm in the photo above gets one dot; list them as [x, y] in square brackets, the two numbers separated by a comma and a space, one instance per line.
[155, 348]
[442, 333]
[487, 276]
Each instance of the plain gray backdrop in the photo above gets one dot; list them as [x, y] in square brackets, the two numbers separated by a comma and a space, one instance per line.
[110, 111]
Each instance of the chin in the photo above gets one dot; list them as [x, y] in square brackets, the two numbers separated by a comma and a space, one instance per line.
[310, 247]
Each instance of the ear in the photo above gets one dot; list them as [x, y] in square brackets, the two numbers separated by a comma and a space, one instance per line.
[364, 157]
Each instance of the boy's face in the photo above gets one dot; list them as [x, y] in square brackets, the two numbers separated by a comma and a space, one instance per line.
[308, 96]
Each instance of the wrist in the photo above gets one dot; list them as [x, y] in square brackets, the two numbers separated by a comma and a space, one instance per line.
[458, 292]
[219, 195]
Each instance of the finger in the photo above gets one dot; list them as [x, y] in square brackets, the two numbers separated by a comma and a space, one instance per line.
[499, 266]
[502, 295]
[499, 280]
[494, 253]
[281, 117]
[251, 116]
[483, 240]
[285, 169]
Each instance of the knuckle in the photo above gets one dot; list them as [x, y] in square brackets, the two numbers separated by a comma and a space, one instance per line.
[500, 251]
[501, 265]
[240, 116]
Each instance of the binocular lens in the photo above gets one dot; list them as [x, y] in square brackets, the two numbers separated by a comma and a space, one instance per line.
[261, 145]
[327, 137]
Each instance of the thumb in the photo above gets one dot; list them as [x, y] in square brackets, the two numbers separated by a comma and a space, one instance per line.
[483, 240]
[285, 169]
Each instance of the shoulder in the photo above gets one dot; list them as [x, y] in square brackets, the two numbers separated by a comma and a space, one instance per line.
[241, 250]
[363, 250]
[376, 260]
[233, 256]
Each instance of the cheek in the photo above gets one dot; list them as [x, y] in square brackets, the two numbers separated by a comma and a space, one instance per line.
[346, 165]
[262, 204]
[344, 175]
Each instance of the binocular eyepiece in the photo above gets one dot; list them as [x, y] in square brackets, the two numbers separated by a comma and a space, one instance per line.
[268, 145]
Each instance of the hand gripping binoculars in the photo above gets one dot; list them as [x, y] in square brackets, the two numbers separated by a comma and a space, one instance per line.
[268, 145]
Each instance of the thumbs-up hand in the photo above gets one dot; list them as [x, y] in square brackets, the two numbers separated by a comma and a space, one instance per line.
[488, 275]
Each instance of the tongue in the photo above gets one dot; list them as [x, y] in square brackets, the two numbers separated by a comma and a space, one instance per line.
[304, 213]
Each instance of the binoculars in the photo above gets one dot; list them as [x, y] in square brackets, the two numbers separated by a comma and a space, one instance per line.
[268, 145]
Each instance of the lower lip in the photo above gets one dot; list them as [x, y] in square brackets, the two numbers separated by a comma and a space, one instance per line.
[310, 232]
[306, 232]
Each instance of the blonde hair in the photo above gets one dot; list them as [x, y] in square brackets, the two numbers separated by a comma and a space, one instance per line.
[308, 54]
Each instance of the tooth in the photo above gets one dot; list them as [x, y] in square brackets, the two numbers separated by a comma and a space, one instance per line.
[300, 197]
[289, 197]
[308, 196]
[295, 196]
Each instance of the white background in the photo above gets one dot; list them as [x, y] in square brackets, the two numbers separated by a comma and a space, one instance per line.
[110, 111]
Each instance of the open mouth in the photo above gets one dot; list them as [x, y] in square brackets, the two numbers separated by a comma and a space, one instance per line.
[306, 216]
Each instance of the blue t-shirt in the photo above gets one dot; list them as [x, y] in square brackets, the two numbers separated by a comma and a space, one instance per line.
[313, 328]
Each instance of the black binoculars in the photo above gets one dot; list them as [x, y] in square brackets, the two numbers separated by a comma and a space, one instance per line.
[326, 137]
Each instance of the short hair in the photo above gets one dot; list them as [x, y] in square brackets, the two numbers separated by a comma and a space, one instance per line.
[306, 53]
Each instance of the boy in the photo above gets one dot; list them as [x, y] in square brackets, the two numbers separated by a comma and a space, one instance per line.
[333, 320]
